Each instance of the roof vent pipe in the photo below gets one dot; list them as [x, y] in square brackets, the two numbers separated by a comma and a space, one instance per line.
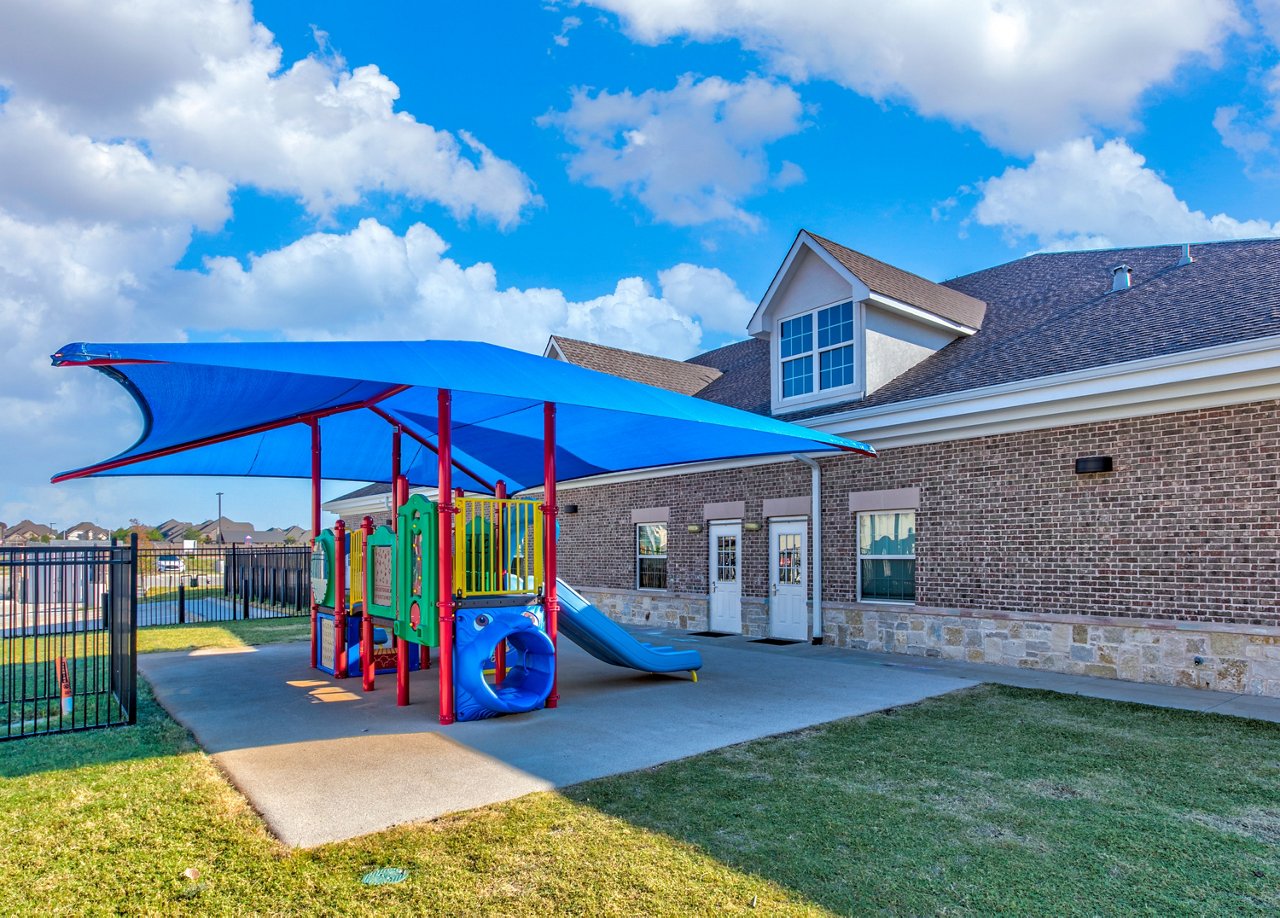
[1120, 278]
[1186, 258]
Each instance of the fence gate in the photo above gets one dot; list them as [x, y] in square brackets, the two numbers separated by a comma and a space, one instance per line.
[68, 638]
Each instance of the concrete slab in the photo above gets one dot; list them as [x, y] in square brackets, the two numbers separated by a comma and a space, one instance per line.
[1182, 698]
[284, 732]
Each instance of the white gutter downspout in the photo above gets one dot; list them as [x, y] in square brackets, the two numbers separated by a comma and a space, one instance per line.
[815, 518]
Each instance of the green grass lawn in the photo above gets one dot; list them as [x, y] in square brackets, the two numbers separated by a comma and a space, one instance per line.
[993, 800]
[158, 639]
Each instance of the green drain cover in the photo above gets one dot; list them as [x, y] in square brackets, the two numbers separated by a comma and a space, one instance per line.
[384, 876]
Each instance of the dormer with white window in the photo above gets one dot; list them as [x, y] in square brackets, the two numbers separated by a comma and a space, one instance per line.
[841, 325]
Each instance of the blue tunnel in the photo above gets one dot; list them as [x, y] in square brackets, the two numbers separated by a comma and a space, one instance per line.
[531, 661]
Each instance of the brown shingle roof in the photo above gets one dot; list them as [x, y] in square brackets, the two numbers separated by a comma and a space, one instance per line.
[675, 375]
[1054, 313]
[909, 288]
[744, 379]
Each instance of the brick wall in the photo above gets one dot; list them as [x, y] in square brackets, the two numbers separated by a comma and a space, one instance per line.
[597, 544]
[1184, 529]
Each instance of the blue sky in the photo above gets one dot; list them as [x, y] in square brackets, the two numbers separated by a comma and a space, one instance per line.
[630, 171]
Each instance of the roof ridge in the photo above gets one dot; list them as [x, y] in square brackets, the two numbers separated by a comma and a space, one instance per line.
[620, 350]
[889, 280]
[1053, 253]
[829, 241]
[651, 369]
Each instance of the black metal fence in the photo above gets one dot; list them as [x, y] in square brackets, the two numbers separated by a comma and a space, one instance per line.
[68, 638]
[212, 583]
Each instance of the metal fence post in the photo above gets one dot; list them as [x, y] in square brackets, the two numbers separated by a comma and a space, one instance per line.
[244, 597]
[182, 605]
[132, 688]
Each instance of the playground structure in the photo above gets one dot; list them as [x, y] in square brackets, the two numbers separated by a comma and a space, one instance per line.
[473, 578]
[392, 576]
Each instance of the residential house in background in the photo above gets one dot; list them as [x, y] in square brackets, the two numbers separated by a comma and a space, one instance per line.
[245, 533]
[86, 532]
[1077, 468]
[26, 532]
[175, 530]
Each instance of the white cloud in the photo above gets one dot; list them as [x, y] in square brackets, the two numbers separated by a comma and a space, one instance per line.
[373, 283]
[101, 61]
[1250, 126]
[1079, 195]
[202, 86]
[1025, 73]
[329, 136]
[691, 154]
[51, 174]
[567, 25]
[124, 127]
[63, 282]
[708, 294]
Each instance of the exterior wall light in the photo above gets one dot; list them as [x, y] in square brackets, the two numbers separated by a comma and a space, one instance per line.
[751, 527]
[1089, 465]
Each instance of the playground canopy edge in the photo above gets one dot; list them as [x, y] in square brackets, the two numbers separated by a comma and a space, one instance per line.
[247, 409]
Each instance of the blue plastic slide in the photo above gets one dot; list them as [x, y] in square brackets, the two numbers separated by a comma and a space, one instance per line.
[606, 640]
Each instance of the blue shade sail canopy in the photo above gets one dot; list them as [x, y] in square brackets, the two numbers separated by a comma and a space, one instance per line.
[244, 410]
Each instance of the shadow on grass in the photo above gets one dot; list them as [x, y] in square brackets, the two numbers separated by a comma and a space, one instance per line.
[155, 734]
[989, 800]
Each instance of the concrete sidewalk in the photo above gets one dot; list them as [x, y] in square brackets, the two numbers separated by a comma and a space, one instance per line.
[323, 761]
[1256, 707]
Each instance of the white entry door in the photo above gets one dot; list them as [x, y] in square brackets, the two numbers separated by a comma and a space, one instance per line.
[726, 578]
[788, 581]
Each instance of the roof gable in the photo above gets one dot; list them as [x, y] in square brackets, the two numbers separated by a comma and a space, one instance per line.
[890, 286]
[675, 375]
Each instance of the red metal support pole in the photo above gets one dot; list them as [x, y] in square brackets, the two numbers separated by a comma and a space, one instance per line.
[340, 599]
[401, 489]
[402, 647]
[315, 532]
[395, 478]
[500, 652]
[447, 510]
[366, 622]
[549, 512]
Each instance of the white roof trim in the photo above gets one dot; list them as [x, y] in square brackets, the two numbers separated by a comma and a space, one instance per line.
[553, 350]
[920, 315]
[671, 471]
[1228, 374]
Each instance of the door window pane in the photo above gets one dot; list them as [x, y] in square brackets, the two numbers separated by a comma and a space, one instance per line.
[726, 558]
[790, 558]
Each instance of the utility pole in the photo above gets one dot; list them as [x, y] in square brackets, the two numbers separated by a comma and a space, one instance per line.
[219, 517]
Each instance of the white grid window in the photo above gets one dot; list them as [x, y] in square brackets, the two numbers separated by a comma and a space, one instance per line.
[887, 556]
[821, 361]
[651, 556]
